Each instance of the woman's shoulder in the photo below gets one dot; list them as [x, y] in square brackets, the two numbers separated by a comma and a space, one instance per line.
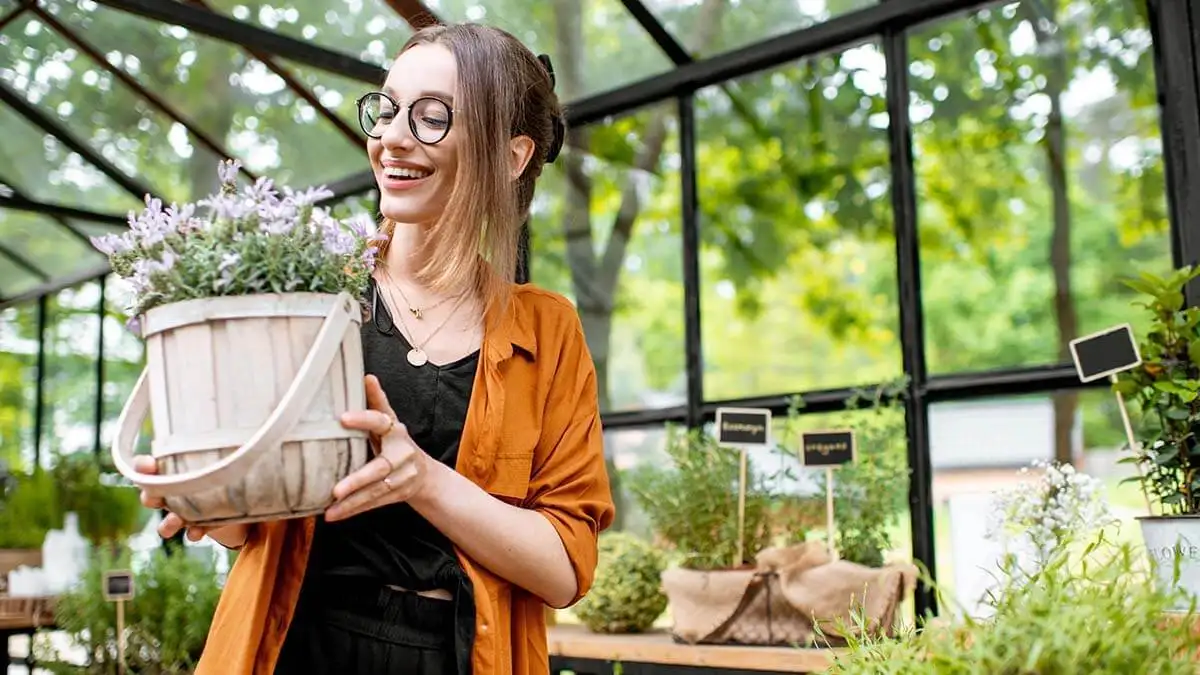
[544, 309]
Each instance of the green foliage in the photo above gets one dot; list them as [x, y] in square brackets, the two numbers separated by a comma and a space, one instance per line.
[693, 504]
[108, 514]
[1166, 388]
[166, 623]
[1094, 611]
[31, 507]
[251, 241]
[626, 596]
[871, 493]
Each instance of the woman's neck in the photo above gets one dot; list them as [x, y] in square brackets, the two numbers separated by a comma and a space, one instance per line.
[403, 253]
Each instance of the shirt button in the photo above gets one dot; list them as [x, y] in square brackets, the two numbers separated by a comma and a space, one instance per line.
[483, 628]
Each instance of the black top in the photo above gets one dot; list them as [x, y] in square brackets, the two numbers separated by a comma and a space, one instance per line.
[394, 545]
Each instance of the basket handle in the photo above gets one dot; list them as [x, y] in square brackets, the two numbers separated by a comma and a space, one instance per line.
[285, 415]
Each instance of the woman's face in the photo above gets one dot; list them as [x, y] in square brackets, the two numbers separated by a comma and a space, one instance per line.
[415, 178]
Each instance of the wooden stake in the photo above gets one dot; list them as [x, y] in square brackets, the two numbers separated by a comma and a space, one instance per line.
[1133, 444]
[829, 513]
[741, 542]
[121, 636]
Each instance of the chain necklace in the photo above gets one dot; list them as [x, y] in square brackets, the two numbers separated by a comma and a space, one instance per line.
[413, 309]
[416, 355]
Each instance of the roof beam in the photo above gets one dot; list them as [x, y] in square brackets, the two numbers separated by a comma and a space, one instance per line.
[57, 284]
[415, 13]
[64, 136]
[154, 100]
[16, 12]
[238, 33]
[650, 23]
[23, 262]
[837, 32]
[19, 202]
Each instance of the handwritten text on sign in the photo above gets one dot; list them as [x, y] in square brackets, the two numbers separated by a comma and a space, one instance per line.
[828, 448]
[743, 426]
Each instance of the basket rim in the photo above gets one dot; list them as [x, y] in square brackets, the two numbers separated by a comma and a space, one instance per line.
[183, 313]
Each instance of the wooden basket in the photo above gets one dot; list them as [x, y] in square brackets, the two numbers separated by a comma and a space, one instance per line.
[245, 394]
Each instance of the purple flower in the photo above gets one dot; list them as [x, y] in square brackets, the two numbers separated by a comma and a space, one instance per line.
[308, 196]
[227, 171]
[111, 244]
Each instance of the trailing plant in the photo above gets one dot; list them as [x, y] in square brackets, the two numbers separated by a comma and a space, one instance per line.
[109, 512]
[238, 242]
[626, 596]
[871, 493]
[167, 620]
[692, 505]
[30, 507]
[1166, 390]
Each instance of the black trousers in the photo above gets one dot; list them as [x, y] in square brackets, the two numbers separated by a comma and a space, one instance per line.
[351, 628]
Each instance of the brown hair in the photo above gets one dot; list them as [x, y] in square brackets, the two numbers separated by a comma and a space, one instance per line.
[504, 92]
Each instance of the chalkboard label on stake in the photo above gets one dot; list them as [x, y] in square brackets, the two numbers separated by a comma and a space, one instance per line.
[743, 426]
[1105, 353]
[118, 585]
[832, 447]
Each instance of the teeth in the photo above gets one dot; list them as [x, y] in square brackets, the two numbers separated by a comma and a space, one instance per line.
[404, 172]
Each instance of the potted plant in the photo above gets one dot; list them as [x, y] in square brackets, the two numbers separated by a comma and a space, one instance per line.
[626, 596]
[248, 302]
[1165, 392]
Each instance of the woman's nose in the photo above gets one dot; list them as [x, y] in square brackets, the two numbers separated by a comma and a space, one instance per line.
[398, 135]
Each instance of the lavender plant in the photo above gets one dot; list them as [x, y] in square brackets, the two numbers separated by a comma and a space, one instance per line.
[262, 239]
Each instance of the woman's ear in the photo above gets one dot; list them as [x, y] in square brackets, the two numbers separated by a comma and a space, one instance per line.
[520, 152]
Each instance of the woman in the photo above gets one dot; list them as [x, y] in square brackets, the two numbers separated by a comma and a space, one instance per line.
[488, 492]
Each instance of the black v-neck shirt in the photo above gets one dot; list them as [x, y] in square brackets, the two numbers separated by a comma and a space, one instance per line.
[394, 545]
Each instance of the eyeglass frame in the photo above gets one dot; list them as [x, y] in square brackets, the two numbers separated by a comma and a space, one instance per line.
[412, 125]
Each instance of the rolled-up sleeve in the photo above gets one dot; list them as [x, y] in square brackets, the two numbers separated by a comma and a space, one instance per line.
[569, 482]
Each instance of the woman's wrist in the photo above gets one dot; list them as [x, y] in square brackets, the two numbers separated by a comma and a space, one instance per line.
[231, 536]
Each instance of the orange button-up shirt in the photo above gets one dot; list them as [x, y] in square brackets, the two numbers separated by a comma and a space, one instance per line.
[532, 437]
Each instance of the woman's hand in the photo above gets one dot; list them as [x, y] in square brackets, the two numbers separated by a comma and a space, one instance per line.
[231, 536]
[398, 471]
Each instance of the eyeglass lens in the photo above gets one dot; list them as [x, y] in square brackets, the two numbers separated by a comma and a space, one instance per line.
[428, 118]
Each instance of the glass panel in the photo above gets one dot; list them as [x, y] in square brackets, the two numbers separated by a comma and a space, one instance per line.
[1018, 261]
[367, 29]
[41, 168]
[977, 449]
[15, 279]
[234, 99]
[46, 244]
[705, 28]
[72, 347]
[797, 261]
[109, 117]
[91, 229]
[123, 359]
[18, 383]
[595, 45]
[609, 239]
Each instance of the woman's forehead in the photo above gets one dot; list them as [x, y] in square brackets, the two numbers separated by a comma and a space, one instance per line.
[423, 70]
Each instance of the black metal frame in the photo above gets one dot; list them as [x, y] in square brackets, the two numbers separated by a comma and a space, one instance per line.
[1175, 25]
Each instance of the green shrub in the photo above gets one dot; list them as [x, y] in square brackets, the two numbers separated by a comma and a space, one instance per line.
[1099, 612]
[626, 596]
[166, 623]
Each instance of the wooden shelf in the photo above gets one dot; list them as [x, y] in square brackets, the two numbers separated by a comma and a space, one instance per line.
[658, 647]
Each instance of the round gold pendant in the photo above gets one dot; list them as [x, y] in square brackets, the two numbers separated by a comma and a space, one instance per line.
[417, 357]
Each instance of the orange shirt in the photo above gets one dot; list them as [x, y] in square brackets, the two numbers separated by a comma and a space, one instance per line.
[532, 437]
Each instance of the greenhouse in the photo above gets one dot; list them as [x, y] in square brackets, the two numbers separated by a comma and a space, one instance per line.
[953, 238]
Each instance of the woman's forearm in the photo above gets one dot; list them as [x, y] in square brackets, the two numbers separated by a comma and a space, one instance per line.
[518, 544]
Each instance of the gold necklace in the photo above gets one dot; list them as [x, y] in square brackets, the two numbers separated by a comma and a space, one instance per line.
[416, 355]
[414, 310]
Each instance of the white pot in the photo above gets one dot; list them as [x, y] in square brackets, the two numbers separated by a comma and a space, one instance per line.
[1174, 541]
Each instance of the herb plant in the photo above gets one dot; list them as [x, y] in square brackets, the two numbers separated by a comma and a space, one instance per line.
[1166, 389]
[240, 242]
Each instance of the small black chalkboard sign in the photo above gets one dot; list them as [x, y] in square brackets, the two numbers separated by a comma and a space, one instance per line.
[1105, 353]
[118, 585]
[832, 447]
[743, 426]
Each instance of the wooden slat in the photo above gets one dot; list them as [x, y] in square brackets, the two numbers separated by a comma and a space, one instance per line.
[658, 647]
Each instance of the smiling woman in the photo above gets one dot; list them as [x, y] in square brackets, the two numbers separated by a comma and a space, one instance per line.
[488, 489]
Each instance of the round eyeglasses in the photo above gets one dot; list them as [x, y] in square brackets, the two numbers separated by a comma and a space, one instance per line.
[429, 118]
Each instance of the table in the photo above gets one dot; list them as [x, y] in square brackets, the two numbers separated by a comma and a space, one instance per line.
[574, 648]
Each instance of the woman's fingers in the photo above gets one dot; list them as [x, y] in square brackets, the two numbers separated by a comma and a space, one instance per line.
[146, 464]
[170, 526]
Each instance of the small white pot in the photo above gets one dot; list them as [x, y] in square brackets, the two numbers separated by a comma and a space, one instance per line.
[1174, 541]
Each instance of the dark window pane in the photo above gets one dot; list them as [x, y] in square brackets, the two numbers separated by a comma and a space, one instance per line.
[609, 239]
[1039, 178]
[797, 262]
[46, 244]
[123, 360]
[18, 382]
[15, 278]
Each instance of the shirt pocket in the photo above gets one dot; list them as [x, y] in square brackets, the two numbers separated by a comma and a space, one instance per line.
[510, 479]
